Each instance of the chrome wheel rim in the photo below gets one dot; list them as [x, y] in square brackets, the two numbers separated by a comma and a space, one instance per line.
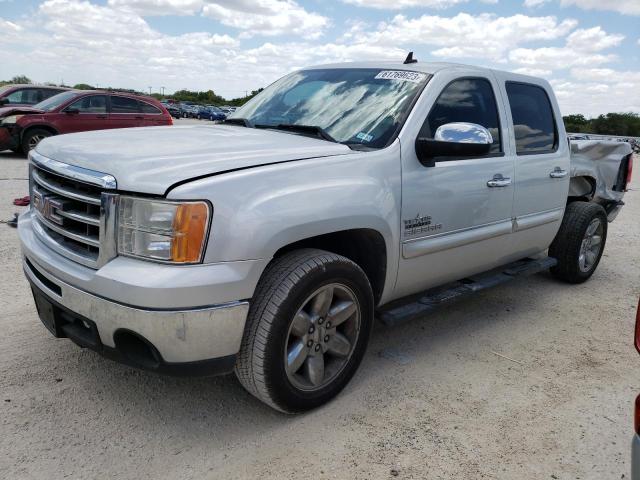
[322, 337]
[35, 140]
[591, 245]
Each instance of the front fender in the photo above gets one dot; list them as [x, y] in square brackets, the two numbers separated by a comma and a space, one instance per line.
[258, 211]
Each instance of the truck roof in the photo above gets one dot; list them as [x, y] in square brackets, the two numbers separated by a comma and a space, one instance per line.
[425, 67]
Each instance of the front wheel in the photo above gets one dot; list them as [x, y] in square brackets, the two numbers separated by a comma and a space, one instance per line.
[32, 138]
[579, 243]
[307, 330]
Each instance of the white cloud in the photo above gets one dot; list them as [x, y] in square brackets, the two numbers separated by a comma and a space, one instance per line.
[535, 72]
[484, 36]
[160, 7]
[629, 7]
[592, 40]
[534, 3]
[592, 98]
[399, 4]
[254, 17]
[266, 17]
[582, 49]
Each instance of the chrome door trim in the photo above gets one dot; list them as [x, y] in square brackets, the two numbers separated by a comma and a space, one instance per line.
[457, 238]
[532, 220]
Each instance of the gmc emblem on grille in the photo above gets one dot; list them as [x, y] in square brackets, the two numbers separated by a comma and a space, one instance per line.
[48, 206]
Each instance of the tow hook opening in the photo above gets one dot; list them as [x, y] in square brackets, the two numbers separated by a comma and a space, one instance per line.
[137, 349]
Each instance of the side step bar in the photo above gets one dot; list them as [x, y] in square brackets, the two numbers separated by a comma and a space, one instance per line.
[404, 310]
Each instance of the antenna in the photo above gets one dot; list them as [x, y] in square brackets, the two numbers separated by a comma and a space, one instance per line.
[410, 59]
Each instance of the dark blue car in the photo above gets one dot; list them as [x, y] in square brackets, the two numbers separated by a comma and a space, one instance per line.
[210, 112]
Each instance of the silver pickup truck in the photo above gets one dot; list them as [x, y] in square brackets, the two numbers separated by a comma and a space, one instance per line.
[268, 244]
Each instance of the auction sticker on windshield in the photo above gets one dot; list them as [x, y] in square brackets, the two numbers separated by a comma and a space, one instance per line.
[415, 77]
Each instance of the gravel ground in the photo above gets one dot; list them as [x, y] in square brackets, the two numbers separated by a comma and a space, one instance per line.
[534, 379]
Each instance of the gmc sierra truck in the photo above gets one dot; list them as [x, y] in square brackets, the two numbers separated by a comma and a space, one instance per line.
[267, 245]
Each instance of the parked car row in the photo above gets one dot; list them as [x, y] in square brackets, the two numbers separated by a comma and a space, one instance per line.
[201, 112]
[23, 127]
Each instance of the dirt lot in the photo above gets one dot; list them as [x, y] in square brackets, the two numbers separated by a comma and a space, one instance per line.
[533, 380]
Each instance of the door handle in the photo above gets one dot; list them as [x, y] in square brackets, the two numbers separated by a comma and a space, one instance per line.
[139, 117]
[558, 173]
[499, 181]
[101, 116]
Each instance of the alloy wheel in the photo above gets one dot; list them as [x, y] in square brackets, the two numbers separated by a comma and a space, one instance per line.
[322, 337]
[591, 245]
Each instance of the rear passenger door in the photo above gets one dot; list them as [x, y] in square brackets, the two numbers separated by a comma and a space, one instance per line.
[542, 169]
[125, 112]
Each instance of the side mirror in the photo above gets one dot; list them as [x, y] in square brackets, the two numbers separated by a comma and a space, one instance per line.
[457, 139]
[3, 101]
[72, 111]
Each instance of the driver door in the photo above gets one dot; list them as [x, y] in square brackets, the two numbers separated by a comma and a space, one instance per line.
[456, 219]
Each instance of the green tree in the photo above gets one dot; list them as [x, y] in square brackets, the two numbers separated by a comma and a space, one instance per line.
[20, 79]
[83, 86]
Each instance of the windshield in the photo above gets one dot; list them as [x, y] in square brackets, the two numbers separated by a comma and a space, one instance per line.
[54, 102]
[359, 106]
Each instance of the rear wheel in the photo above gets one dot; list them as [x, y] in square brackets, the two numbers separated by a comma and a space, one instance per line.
[579, 244]
[32, 137]
[307, 330]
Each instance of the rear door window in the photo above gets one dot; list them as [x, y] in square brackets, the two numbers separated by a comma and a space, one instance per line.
[90, 104]
[148, 108]
[468, 100]
[124, 105]
[25, 96]
[533, 120]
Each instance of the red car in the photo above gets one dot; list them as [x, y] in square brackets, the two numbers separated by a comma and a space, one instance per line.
[21, 128]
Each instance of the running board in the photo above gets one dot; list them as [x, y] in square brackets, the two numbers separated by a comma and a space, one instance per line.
[404, 310]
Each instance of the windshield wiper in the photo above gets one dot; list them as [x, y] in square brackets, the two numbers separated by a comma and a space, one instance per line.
[243, 122]
[314, 130]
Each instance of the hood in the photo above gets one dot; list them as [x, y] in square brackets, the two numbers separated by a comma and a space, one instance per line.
[152, 159]
[17, 109]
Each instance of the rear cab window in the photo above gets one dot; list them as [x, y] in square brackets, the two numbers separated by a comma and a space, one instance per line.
[470, 100]
[534, 123]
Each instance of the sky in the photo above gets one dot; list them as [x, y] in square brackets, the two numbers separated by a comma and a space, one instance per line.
[588, 49]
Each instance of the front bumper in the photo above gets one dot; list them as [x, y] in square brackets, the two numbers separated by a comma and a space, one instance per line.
[194, 342]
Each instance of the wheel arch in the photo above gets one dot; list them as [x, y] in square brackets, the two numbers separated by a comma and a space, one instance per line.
[38, 125]
[364, 246]
[581, 188]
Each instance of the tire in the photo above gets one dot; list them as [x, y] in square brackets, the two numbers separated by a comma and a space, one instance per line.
[32, 138]
[579, 243]
[288, 290]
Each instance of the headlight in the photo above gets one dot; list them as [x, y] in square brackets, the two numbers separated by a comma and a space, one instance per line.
[162, 230]
[10, 120]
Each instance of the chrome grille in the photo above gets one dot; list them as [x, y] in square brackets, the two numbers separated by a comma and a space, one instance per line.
[73, 212]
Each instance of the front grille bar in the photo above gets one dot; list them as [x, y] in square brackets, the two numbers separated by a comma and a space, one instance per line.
[51, 186]
[94, 242]
[88, 233]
